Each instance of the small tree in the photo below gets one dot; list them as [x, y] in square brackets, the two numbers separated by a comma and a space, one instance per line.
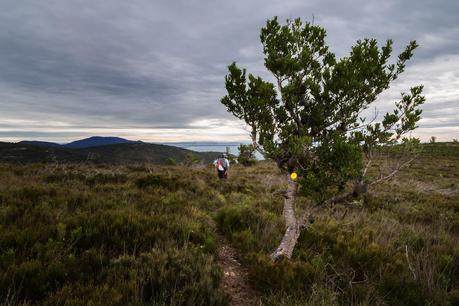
[433, 139]
[191, 159]
[246, 155]
[311, 120]
[231, 157]
[171, 161]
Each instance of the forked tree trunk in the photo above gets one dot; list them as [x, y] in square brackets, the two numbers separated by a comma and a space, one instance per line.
[292, 231]
[294, 225]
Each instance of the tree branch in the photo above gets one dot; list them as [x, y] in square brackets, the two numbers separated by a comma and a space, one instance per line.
[390, 175]
[338, 198]
[366, 168]
[256, 145]
[366, 124]
[343, 196]
[290, 110]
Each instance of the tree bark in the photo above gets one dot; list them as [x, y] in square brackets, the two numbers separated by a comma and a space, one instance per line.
[292, 231]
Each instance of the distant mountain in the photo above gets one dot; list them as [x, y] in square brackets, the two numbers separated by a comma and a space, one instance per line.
[122, 153]
[44, 144]
[96, 141]
[184, 144]
[90, 142]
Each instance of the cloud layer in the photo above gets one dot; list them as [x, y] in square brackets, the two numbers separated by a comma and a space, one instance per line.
[153, 70]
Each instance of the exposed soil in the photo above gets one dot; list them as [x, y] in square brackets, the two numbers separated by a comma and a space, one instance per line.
[429, 187]
[426, 187]
[235, 277]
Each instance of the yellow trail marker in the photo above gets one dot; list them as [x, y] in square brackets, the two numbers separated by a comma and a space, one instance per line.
[293, 176]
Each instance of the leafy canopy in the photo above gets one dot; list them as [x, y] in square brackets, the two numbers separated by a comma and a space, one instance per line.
[310, 121]
[246, 155]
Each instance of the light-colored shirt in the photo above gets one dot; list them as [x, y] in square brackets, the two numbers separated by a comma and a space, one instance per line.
[225, 162]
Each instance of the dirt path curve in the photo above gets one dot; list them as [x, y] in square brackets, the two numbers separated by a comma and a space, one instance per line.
[235, 277]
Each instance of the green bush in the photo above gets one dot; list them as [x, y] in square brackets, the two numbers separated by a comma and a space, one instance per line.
[171, 162]
[248, 227]
[290, 277]
[246, 155]
[157, 181]
[106, 178]
[173, 277]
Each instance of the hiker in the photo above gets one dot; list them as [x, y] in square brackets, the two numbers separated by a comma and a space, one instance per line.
[222, 165]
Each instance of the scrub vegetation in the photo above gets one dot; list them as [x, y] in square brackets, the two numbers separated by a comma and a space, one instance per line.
[76, 234]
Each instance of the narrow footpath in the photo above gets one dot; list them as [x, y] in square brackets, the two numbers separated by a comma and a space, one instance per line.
[235, 277]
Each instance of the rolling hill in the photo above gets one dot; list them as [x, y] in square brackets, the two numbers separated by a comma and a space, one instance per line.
[96, 141]
[44, 144]
[93, 141]
[121, 153]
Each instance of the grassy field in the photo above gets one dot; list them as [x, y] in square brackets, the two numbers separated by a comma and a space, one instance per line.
[150, 235]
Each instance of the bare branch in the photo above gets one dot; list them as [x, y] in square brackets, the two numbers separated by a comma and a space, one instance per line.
[256, 145]
[366, 124]
[366, 168]
[338, 198]
[390, 175]
[306, 217]
[344, 196]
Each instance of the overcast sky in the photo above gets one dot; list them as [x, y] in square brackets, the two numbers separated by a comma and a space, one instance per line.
[153, 70]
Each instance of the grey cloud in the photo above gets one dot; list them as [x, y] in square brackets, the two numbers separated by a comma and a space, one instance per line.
[158, 64]
[27, 134]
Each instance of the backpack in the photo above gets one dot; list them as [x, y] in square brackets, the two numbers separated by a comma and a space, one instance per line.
[220, 166]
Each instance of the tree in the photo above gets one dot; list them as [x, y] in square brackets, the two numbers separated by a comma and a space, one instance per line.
[231, 157]
[191, 159]
[310, 121]
[246, 155]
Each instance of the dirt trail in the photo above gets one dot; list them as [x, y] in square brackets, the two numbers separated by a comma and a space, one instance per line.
[430, 187]
[235, 277]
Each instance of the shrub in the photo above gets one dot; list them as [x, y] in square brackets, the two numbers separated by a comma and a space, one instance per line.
[248, 227]
[191, 159]
[171, 161]
[290, 277]
[174, 277]
[106, 178]
[154, 180]
[246, 155]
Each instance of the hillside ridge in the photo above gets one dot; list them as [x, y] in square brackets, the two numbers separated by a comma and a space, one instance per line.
[122, 153]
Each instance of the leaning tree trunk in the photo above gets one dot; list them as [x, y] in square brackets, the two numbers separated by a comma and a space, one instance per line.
[292, 231]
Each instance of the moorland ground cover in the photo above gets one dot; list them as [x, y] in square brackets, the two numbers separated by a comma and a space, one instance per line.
[149, 235]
